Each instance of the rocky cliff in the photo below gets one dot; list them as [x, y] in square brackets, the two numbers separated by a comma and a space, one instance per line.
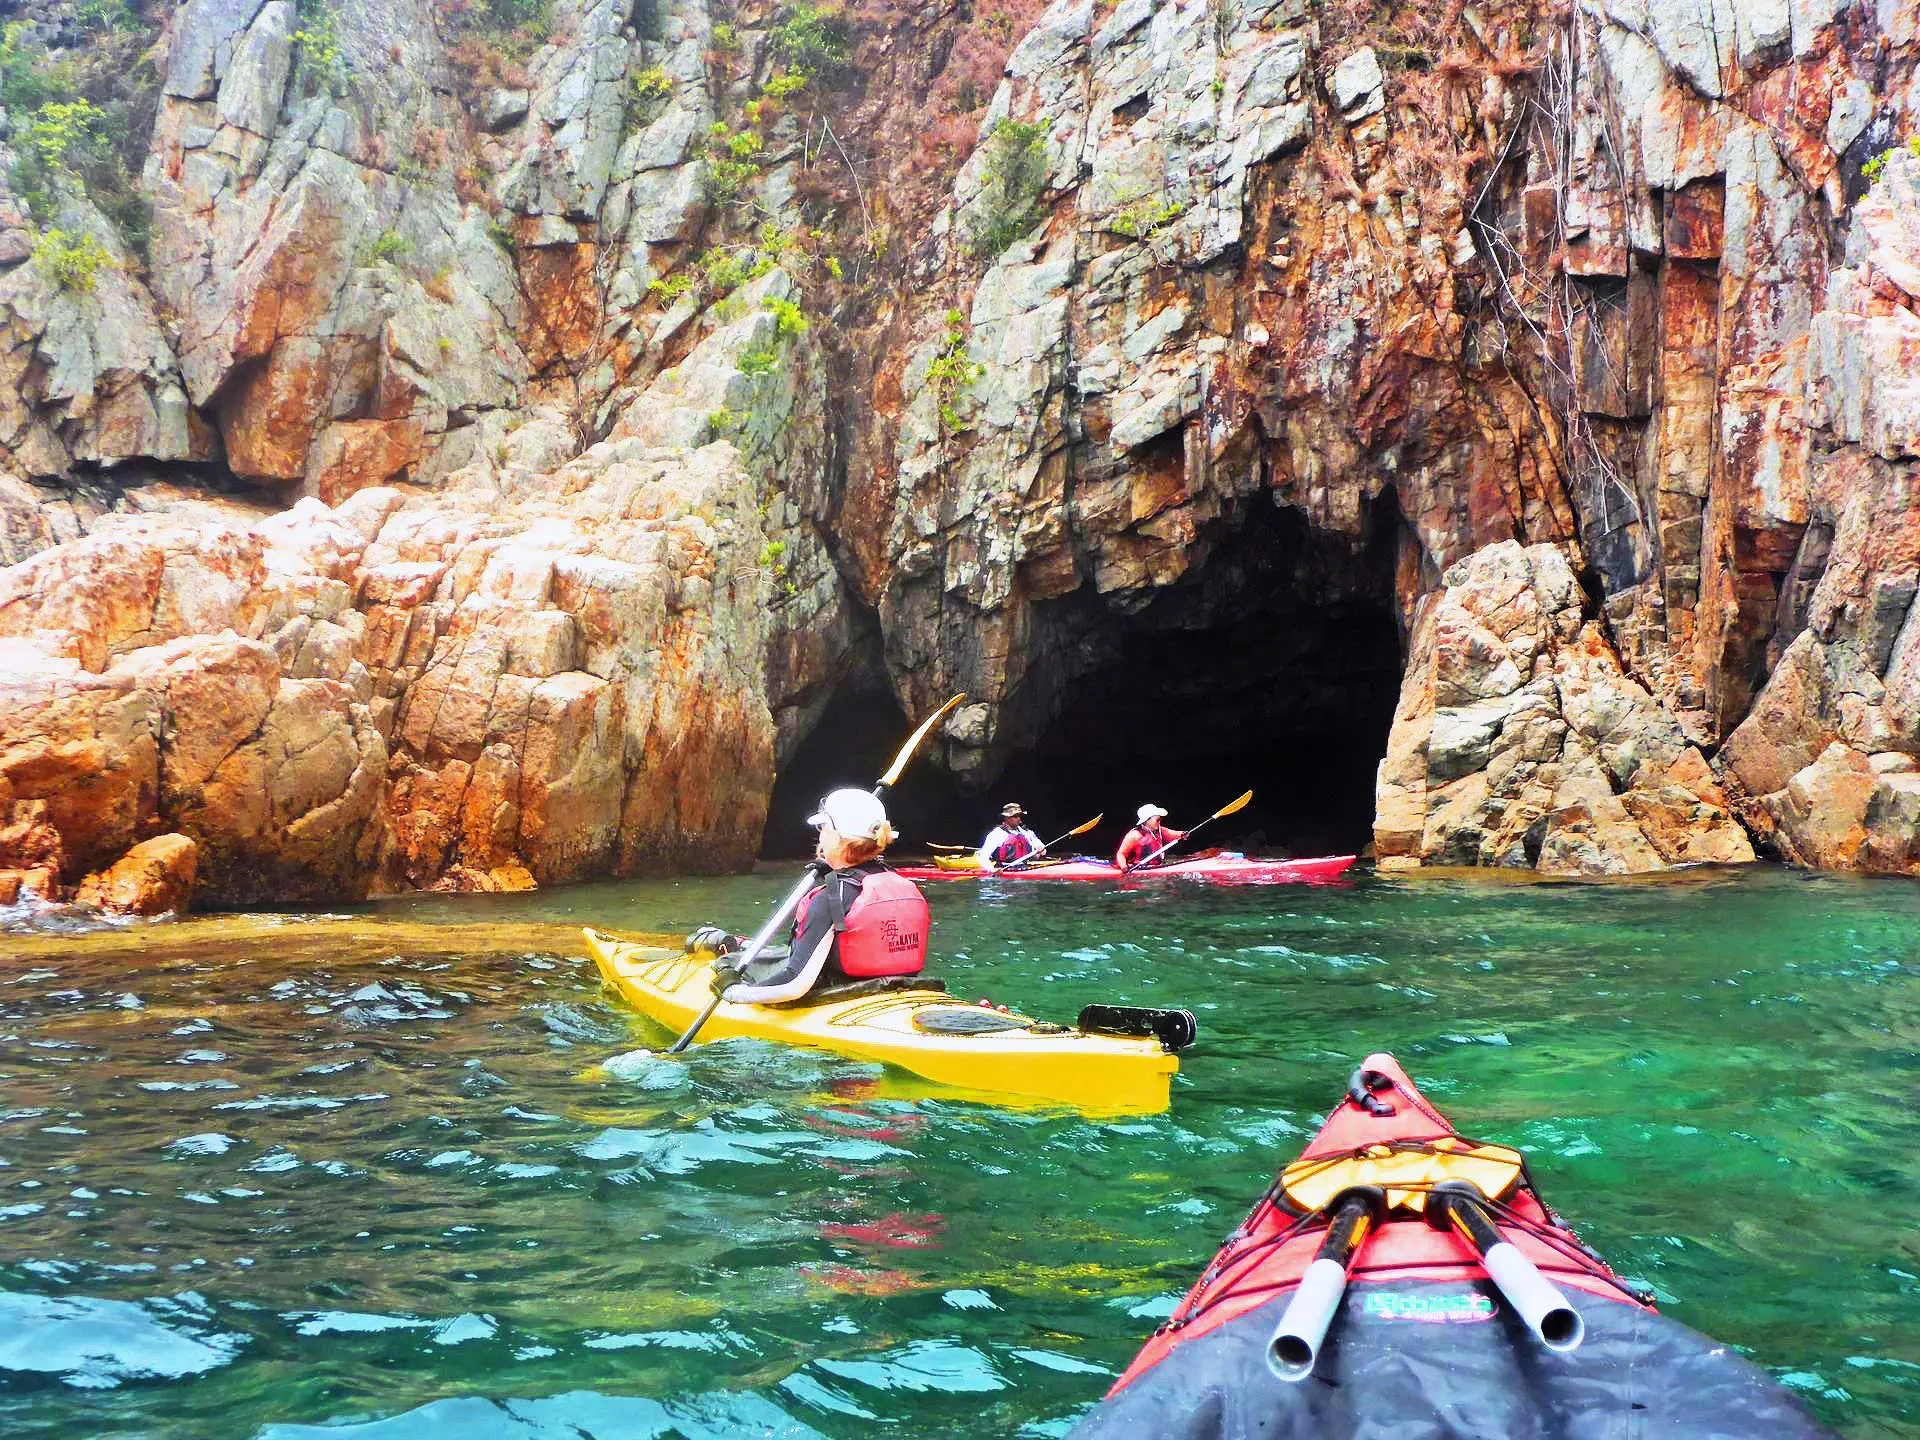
[471, 443]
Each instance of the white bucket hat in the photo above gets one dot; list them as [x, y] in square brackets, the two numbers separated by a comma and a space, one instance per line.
[854, 813]
[1150, 812]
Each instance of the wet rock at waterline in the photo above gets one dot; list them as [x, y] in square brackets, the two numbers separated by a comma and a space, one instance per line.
[505, 448]
[514, 677]
[1521, 742]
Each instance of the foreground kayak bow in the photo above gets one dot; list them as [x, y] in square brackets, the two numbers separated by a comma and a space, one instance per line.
[1433, 1328]
[1116, 1060]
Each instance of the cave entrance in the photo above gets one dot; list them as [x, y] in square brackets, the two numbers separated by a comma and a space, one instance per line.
[1276, 667]
[855, 738]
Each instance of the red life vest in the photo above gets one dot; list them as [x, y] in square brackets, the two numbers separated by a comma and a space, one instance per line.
[885, 929]
[1140, 843]
[1014, 847]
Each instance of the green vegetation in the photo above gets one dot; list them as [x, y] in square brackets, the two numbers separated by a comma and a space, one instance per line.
[515, 14]
[98, 16]
[388, 246]
[952, 371]
[733, 161]
[811, 42]
[65, 135]
[759, 361]
[780, 87]
[26, 82]
[647, 94]
[1143, 217]
[724, 271]
[770, 556]
[73, 262]
[492, 39]
[669, 288]
[320, 63]
[723, 422]
[1875, 167]
[81, 123]
[725, 38]
[788, 319]
[1014, 176]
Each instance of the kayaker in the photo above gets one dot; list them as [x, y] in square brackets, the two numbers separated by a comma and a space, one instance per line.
[1010, 841]
[862, 921]
[1146, 837]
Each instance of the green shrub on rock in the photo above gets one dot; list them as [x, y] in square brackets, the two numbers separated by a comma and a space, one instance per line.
[1014, 176]
[72, 261]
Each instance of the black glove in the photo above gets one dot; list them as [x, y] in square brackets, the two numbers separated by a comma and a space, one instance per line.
[726, 971]
[714, 940]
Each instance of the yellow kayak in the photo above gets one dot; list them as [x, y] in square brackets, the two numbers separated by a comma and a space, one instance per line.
[913, 1028]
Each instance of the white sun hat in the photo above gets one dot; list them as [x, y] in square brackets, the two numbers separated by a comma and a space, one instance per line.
[1150, 812]
[854, 813]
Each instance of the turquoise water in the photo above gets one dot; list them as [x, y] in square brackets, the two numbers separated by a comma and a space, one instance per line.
[406, 1173]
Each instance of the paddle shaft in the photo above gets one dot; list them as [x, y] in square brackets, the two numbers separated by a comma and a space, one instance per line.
[1460, 1206]
[761, 939]
[1021, 863]
[1296, 1339]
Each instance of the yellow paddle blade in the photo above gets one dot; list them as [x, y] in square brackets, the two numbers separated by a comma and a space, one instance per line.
[1081, 830]
[1406, 1174]
[1236, 805]
[913, 741]
[936, 845]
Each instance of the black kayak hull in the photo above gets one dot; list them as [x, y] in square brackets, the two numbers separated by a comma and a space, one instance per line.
[1415, 1361]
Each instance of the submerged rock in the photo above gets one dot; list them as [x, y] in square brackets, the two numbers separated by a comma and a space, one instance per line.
[153, 878]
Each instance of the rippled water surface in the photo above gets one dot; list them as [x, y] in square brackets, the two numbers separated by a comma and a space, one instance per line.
[406, 1172]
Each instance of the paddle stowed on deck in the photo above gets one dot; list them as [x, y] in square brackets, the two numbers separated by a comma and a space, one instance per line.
[1431, 1332]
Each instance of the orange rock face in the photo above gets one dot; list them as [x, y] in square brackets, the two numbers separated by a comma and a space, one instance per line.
[1596, 366]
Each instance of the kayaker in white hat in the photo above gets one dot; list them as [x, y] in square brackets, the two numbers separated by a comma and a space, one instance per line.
[1146, 837]
[1010, 841]
[861, 922]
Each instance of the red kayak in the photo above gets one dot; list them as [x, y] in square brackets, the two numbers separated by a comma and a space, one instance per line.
[1215, 869]
[1401, 1280]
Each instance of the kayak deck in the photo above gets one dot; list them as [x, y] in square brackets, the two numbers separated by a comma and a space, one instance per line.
[1216, 870]
[1423, 1342]
[1097, 1073]
[1274, 1245]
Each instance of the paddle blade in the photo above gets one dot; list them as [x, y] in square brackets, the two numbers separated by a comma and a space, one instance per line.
[899, 765]
[1232, 807]
[1082, 829]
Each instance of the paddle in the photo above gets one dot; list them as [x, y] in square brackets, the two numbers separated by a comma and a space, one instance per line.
[815, 868]
[1228, 809]
[1295, 1345]
[1026, 860]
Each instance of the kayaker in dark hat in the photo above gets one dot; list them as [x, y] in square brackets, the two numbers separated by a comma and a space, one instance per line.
[861, 921]
[1146, 837]
[1010, 841]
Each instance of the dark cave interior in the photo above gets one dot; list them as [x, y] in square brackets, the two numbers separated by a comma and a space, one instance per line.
[1275, 668]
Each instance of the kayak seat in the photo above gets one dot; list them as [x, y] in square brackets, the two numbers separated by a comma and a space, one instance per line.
[859, 989]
